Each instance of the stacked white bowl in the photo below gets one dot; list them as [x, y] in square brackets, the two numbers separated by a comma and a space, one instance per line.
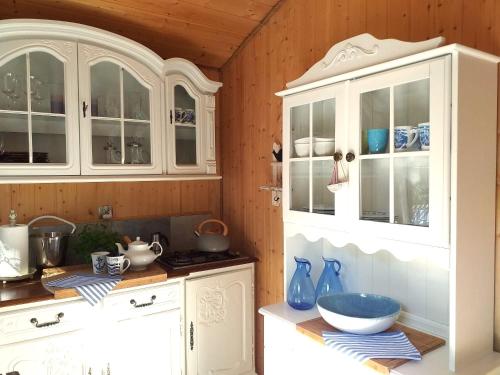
[321, 146]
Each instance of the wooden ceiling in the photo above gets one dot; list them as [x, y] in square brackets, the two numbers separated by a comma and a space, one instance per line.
[207, 32]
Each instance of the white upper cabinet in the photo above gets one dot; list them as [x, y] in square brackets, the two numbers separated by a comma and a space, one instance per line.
[190, 128]
[75, 100]
[38, 108]
[120, 117]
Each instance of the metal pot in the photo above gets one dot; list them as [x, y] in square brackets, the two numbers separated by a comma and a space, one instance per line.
[210, 241]
[50, 247]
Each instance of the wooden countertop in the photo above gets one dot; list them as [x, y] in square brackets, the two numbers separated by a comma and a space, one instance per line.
[28, 291]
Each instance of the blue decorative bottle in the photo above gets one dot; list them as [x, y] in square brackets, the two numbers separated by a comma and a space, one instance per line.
[329, 281]
[301, 295]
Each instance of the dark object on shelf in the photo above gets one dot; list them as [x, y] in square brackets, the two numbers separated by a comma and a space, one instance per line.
[23, 157]
[181, 259]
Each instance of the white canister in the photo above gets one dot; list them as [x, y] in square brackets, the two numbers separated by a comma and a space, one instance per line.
[14, 250]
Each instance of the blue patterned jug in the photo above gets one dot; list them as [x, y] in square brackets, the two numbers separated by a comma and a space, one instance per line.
[329, 281]
[301, 295]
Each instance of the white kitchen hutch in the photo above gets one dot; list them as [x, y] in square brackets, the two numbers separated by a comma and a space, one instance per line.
[414, 220]
[76, 100]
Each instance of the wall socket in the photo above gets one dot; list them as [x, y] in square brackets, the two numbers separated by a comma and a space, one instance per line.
[105, 212]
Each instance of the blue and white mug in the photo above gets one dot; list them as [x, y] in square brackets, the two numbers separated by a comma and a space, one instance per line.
[117, 265]
[99, 261]
[404, 137]
[424, 133]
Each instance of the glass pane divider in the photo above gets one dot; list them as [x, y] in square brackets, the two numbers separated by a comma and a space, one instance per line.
[45, 114]
[122, 115]
[310, 158]
[10, 112]
[374, 156]
[28, 102]
[408, 154]
[98, 118]
[185, 125]
[391, 152]
[136, 120]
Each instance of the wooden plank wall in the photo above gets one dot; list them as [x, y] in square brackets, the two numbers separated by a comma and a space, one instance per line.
[79, 201]
[295, 37]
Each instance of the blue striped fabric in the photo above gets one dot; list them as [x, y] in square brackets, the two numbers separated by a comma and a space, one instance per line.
[380, 345]
[91, 287]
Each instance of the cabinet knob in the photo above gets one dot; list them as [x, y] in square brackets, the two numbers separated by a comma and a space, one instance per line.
[338, 156]
[350, 157]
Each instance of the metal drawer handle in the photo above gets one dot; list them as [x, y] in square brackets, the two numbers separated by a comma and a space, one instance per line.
[34, 321]
[133, 302]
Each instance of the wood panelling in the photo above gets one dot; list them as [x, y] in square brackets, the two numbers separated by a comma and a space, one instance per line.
[292, 39]
[79, 202]
[206, 32]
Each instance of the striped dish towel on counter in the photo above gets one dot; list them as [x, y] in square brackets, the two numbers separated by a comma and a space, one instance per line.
[91, 287]
[379, 345]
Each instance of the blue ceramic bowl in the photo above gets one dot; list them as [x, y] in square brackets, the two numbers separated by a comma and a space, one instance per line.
[358, 312]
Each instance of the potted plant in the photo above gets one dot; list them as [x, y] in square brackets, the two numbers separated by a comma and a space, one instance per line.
[95, 237]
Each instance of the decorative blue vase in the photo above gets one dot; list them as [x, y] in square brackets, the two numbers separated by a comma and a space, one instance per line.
[329, 281]
[301, 294]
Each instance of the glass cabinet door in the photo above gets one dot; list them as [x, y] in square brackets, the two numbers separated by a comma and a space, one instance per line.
[312, 146]
[120, 116]
[397, 113]
[33, 123]
[185, 110]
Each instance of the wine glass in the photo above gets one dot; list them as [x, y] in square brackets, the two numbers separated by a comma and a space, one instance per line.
[9, 86]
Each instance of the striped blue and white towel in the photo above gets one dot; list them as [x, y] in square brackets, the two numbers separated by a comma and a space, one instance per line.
[379, 345]
[91, 287]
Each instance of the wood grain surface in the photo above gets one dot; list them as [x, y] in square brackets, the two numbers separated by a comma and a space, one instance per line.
[422, 341]
[291, 41]
[154, 273]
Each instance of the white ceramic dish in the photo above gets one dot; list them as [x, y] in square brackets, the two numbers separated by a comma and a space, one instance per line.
[303, 140]
[301, 149]
[358, 312]
[324, 148]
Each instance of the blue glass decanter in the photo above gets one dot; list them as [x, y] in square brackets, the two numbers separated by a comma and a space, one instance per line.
[329, 281]
[301, 295]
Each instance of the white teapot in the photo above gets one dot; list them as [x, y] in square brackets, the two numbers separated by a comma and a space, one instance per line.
[139, 253]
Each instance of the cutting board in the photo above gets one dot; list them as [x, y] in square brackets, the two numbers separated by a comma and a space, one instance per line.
[153, 274]
[422, 341]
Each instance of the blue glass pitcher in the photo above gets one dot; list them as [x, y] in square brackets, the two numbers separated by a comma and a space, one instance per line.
[301, 295]
[329, 281]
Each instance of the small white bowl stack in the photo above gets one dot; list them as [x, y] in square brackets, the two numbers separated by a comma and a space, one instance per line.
[320, 146]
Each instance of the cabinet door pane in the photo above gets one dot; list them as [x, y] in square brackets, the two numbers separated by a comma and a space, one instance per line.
[106, 142]
[375, 190]
[49, 139]
[324, 128]
[14, 138]
[185, 145]
[105, 90]
[300, 145]
[185, 106]
[138, 143]
[13, 85]
[299, 186]
[136, 98]
[411, 116]
[375, 121]
[46, 83]
[323, 199]
[411, 191]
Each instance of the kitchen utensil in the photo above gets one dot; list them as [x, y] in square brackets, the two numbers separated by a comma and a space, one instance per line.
[118, 264]
[14, 249]
[358, 312]
[139, 253]
[211, 241]
[329, 281]
[50, 247]
[99, 261]
[301, 294]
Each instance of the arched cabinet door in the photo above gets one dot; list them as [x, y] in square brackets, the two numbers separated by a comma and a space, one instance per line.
[190, 138]
[38, 108]
[120, 114]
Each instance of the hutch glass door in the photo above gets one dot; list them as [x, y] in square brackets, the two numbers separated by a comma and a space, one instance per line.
[313, 138]
[399, 139]
[185, 109]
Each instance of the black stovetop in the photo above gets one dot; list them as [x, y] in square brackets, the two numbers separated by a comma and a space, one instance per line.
[181, 259]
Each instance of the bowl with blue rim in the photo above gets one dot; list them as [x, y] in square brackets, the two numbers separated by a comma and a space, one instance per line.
[359, 313]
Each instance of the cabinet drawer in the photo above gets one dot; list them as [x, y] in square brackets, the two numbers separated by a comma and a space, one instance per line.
[143, 301]
[44, 321]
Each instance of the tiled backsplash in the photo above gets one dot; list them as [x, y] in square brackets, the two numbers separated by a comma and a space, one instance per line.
[178, 229]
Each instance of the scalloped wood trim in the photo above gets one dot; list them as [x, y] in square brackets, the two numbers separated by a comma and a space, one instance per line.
[359, 52]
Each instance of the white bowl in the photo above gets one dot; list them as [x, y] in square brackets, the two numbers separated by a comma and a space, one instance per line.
[303, 140]
[324, 139]
[302, 149]
[324, 148]
[358, 312]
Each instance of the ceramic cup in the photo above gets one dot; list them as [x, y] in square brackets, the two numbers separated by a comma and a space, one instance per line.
[189, 116]
[117, 264]
[99, 261]
[179, 114]
[404, 137]
[377, 140]
[424, 133]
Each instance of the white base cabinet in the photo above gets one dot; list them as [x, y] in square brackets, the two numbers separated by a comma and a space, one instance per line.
[220, 323]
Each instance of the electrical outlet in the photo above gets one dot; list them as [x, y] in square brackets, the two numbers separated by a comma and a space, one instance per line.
[105, 212]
